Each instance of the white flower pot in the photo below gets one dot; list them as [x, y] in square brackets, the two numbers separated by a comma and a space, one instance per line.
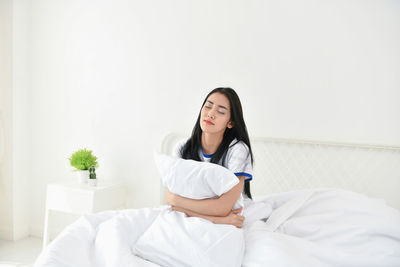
[92, 182]
[83, 176]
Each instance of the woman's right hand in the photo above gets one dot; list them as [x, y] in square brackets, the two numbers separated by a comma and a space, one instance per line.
[234, 219]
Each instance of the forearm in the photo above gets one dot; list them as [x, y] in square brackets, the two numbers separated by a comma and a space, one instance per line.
[204, 207]
[212, 206]
[190, 213]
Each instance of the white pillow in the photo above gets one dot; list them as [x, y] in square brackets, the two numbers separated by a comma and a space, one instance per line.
[195, 179]
[175, 240]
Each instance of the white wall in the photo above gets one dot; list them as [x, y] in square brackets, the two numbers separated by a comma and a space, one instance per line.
[21, 118]
[15, 135]
[116, 76]
[6, 186]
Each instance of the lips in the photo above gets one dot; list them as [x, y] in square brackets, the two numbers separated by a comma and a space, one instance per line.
[208, 122]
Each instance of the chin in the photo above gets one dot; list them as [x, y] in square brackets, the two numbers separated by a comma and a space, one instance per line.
[212, 132]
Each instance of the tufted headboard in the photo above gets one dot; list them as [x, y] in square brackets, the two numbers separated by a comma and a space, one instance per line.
[284, 165]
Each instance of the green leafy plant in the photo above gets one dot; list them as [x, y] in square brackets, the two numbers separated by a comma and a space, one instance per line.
[83, 159]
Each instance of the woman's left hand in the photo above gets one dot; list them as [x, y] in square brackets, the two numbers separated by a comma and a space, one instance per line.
[169, 197]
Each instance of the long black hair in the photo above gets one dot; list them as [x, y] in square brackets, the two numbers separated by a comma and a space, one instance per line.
[239, 131]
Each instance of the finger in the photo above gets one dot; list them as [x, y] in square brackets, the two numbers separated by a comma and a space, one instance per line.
[237, 210]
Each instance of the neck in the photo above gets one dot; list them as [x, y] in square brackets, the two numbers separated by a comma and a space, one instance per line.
[210, 142]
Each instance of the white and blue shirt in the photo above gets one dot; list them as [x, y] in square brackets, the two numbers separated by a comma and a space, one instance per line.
[237, 159]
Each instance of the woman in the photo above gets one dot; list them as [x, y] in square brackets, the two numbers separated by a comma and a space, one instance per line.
[219, 136]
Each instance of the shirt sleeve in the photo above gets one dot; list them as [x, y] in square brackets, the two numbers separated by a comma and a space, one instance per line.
[176, 152]
[239, 161]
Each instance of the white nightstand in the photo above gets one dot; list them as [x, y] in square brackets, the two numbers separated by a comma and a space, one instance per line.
[82, 199]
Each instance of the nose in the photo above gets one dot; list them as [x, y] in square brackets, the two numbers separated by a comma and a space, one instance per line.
[211, 114]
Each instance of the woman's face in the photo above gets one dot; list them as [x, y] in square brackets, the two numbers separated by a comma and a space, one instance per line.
[215, 114]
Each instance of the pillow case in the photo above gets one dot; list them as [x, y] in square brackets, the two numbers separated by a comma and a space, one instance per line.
[195, 179]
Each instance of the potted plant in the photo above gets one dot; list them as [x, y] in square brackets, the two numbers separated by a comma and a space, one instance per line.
[92, 176]
[81, 160]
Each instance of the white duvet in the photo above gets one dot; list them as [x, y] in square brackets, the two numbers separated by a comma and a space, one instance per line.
[321, 227]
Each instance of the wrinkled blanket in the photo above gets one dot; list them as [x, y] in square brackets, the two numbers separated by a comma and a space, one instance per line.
[320, 227]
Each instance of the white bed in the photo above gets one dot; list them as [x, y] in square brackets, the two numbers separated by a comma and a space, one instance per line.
[326, 208]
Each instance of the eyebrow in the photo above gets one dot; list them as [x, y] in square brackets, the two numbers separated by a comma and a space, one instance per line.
[218, 105]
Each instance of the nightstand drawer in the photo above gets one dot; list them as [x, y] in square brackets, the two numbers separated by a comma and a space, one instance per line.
[112, 198]
[81, 199]
[68, 200]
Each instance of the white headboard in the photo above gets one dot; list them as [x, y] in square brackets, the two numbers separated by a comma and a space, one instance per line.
[283, 165]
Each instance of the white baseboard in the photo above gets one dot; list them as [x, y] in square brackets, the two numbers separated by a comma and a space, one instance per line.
[36, 232]
[13, 234]
[6, 234]
[21, 232]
